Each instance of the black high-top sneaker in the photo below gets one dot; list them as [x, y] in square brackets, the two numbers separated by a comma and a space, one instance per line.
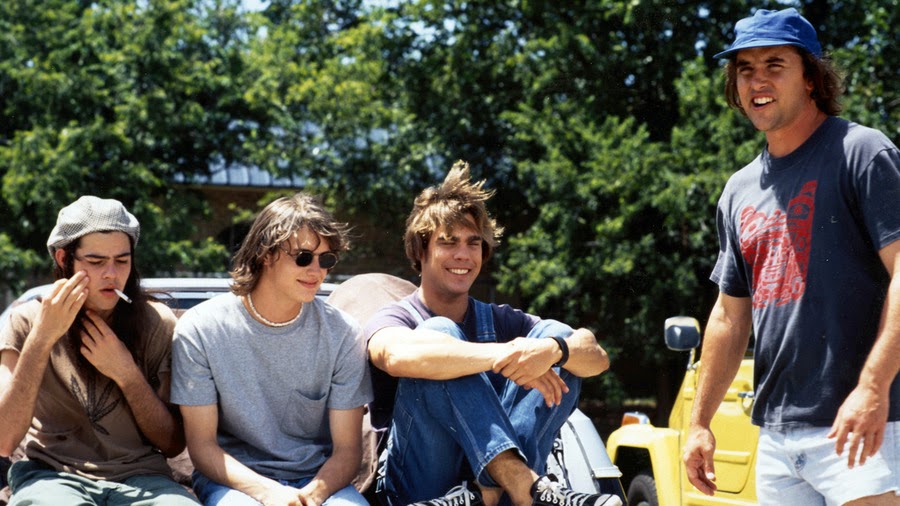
[547, 491]
[459, 495]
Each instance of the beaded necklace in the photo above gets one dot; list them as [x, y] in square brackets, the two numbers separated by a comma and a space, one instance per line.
[268, 321]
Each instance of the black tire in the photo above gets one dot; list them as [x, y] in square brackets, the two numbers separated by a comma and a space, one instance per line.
[642, 490]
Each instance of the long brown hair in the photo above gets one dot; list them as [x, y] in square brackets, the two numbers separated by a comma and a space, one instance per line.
[274, 226]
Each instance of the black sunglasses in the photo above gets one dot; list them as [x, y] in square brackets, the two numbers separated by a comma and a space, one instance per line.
[327, 260]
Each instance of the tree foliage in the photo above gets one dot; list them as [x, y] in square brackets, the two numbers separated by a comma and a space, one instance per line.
[601, 124]
[113, 99]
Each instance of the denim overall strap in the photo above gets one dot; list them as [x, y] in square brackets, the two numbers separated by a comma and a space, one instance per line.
[411, 310]
[484, 320]
[484, 323]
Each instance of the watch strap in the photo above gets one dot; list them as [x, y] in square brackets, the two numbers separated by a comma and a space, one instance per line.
[564, 348]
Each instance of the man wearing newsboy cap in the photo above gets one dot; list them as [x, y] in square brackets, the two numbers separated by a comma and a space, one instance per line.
[84, 374]
[809, 259]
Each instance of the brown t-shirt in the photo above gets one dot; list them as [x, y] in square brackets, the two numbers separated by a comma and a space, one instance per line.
[82, 423]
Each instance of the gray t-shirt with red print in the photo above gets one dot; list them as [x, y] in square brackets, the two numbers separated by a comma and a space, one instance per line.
[800, 236]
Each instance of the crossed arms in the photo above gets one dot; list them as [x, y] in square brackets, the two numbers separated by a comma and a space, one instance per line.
[402, 352]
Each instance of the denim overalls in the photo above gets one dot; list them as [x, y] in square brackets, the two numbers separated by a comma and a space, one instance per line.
[438, 424]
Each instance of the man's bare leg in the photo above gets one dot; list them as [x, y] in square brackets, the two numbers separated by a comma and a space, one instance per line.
[888, 499]
[514, 477]
[491, 496]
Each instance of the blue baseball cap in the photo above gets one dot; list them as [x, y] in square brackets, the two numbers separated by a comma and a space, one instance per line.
[774, 28]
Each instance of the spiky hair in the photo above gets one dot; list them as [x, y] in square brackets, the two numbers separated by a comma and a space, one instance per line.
[447, 205]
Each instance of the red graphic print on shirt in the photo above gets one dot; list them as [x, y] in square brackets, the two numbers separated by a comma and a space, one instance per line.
[777, 248]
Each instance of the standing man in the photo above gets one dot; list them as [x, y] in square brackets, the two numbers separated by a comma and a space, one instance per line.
[272, 382]
[481, 390]
[810, 257]
[84, 374]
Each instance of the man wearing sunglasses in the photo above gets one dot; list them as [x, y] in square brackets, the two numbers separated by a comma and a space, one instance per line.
[272, 381]
[481, 390]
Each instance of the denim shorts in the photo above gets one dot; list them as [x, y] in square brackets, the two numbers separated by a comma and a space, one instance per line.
[801, 466]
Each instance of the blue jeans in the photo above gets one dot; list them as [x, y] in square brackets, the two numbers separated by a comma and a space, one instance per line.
[34, 483]
[438, 426]
[212, 493]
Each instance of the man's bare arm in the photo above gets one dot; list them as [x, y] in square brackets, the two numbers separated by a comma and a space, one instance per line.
[343, 465]
[726, 339]
[586, 357]
[22, 374]
[862, 417]
[425, 354]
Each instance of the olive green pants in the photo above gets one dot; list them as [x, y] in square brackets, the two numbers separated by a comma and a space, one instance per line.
[33, 483]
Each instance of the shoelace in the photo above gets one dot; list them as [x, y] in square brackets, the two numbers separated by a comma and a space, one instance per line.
[456, 496]
[552, 492]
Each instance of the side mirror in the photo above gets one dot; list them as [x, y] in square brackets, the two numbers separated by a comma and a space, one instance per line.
[682, 333]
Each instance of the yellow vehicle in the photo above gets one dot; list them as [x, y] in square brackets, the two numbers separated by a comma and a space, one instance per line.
[650, 457]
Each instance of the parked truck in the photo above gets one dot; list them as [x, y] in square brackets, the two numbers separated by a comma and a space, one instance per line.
[650, 458]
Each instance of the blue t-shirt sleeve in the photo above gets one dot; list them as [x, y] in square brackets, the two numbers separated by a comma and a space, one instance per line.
[730, 271]
[510, 323]
[384, 385]
[878, 187]
[392, 315]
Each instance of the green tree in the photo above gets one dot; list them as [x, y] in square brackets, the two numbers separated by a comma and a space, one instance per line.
[335, 116]
[116, 99]
[625, 235]
[601, 124]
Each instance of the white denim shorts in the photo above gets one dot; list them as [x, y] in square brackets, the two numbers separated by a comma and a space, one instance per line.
[800, 466]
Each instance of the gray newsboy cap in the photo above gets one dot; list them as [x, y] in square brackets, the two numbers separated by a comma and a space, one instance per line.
[91, 214]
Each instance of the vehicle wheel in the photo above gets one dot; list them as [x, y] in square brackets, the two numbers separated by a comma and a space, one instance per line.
[642, 490]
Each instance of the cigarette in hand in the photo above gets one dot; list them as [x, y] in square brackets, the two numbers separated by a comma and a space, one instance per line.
[122, 295]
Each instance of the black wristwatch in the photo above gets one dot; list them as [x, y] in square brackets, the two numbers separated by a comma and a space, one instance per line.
[564, 348]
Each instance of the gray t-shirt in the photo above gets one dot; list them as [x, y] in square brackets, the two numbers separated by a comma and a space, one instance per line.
[273, 386]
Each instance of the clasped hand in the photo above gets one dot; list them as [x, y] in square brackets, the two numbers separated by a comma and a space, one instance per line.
[528, 362]
[283, 495]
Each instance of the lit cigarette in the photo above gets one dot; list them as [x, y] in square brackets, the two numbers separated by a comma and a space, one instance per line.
[121, 294]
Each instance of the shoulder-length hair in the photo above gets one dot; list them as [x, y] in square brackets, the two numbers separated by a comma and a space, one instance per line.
[445, 206]
[828, 83]
[274, 226]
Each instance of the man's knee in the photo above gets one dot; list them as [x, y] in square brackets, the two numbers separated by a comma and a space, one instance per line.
[442, 324]
[34, 484]
[547, 328]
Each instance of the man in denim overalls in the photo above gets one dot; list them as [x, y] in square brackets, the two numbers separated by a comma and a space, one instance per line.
[481, 390]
